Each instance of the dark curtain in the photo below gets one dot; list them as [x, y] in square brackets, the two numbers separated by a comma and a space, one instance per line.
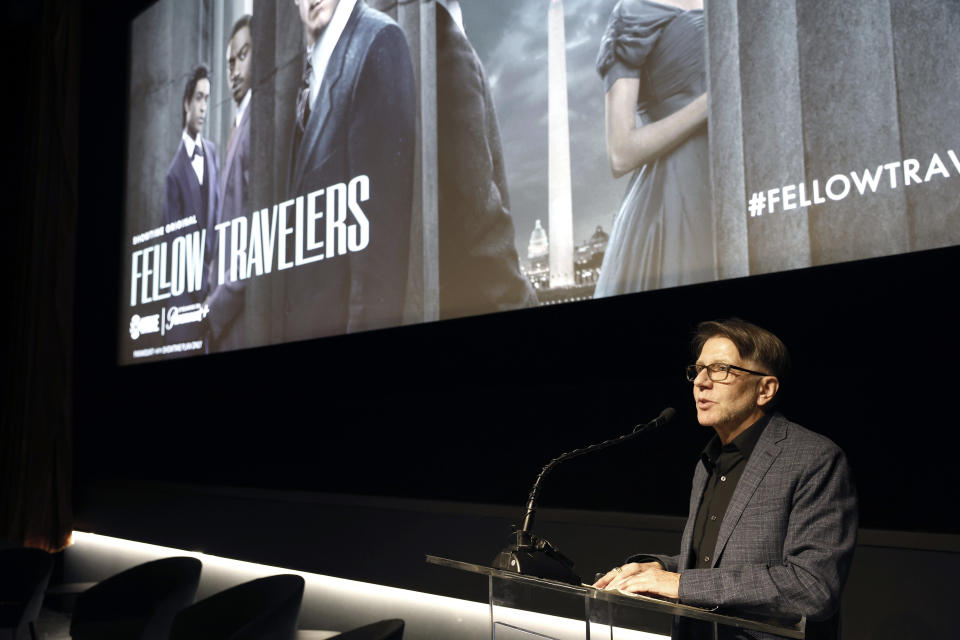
[40, 193]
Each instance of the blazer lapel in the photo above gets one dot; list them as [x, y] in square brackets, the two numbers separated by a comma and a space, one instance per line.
[320, 112]
[696, 495]
[233, 150]
[228, 158]
[212, 180]
[759, 463]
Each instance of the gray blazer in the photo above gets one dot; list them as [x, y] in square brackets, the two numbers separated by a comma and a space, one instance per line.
[787, 538]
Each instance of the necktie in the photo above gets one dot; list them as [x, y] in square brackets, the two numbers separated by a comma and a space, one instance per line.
[303, 98]
[196, 161]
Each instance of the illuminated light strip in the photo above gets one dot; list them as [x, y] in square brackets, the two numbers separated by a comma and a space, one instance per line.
[465, 616]
[258, 570]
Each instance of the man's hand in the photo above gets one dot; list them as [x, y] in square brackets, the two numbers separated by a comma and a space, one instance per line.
[622, 572]
[647, 578]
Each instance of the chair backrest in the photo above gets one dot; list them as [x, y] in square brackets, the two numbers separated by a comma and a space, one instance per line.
[24, 574]
[263, 609]
[137, 603]
[384, 630]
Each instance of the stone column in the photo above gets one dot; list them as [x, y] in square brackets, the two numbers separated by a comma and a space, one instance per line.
[850, 123]
[417, 18]
[726, 139]
[802, 91]
[277, 69]
[925, 50]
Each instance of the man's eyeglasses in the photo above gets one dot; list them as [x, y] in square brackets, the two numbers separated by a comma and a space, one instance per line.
[717, 372]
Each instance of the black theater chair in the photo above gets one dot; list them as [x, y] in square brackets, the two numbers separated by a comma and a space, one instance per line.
[383, 630]
[24, 574]
[263, 609]
[138, 603]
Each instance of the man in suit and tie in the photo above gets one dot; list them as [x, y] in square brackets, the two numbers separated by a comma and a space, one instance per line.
[773, 509]
[356, 114]
[191, 186]
[226, 300]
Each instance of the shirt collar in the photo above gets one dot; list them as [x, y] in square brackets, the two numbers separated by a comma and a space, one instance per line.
[242, 107]
[745, 443]
[322, 49]
[190, 143]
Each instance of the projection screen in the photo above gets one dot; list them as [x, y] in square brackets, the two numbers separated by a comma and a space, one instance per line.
[303, 169]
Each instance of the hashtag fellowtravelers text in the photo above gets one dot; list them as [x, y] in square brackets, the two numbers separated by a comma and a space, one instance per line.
[839, 186]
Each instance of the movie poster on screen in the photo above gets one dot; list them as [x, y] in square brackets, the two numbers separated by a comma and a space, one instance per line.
[275, 182]
[291, 176]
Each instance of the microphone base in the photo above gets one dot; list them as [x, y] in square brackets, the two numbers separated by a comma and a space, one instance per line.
[538, 563]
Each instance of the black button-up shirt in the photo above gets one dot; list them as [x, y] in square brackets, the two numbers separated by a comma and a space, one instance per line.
[725, 464]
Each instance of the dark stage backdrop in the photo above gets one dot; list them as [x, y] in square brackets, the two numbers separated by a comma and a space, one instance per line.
[470, 409]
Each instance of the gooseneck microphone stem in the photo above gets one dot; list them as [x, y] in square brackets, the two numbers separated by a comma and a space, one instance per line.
[665, 416]
[531, 555]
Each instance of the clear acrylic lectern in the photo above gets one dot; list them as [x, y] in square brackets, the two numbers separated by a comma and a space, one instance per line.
[529, 608]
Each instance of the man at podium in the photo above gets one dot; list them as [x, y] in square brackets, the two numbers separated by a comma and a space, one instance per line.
[773, 509]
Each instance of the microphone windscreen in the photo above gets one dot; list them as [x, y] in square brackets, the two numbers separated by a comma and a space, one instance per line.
[667, 415]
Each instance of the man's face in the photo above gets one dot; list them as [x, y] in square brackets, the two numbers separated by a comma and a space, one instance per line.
[196, 107]
[315, 15]
[238, 63]
[730, 403]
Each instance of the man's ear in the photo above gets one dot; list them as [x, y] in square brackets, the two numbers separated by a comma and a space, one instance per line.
[767, 388]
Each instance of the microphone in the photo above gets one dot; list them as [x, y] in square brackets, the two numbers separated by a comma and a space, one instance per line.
[531, 555]
[667, 415]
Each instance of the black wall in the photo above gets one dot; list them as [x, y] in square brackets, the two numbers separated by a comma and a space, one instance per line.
[469, 410]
